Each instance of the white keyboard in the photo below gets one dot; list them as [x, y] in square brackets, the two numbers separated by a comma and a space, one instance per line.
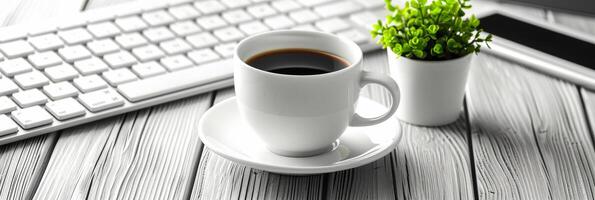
[105, 62]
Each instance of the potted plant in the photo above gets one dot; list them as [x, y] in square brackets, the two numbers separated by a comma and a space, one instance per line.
[430, 47]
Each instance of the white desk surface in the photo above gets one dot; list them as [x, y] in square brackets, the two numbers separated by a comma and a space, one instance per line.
[524, 135]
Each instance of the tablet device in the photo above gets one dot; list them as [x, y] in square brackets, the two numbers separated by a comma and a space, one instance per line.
[541, 39]
[543, 46]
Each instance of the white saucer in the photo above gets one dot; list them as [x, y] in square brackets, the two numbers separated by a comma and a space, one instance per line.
[223, 131]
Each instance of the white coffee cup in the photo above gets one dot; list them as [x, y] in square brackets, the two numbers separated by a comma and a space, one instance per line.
[303, 115]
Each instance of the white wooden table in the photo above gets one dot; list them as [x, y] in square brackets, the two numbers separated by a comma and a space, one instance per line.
[523, 135]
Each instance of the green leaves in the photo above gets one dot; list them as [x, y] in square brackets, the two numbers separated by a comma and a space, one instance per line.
[433, 29]
[437, 49]
[430, 31]
[453, 45]
[389, 5]
[473, 21]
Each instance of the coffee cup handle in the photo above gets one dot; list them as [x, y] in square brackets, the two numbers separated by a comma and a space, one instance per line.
[388, 83]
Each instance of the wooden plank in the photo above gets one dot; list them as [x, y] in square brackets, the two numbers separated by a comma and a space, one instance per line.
[71, 166]
[218, 178]
[371, 181]
[149, 154]
[23, 163]
[434, 163]
[529, 135]
[585, 24]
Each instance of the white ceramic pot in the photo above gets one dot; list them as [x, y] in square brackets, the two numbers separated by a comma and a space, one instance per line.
[431, 91]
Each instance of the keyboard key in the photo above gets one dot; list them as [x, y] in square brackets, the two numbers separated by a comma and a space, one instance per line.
[66, 109]
[236, 16]
[15, 66]
[228, 34]
[31, 80]
[354, 35]
[60, 90]
[202, 40]
[75, 36]
[131, 24]
[184, 28]
[131, 40]
[210, 6]
[364, 19]
[337, 8]
[148, 53]
[371, 4]
[254, 27]
[129, 9]
[45, 59]
[71, 22]
[90, 66]
[100, 17]
[119, 59]
[6, 105]
[16, 49]
[183, 12]
[42, 29]
[119, 76]
[7, 126]
[203, 55]
[46, 42]
[173, 63]
[101, 100]
[63, 72]
[303, 16]
[158, 34]
[157, 18]
[74, 53]
[149, 69]
[10, 34]
[175, 46]
[89, 83]
[178, 80]
[29, 98]
[32, 117]
[103, 29]
[7, 87]
[102, 47]
[286, 5]
[279, 22]
[305, 27]
[261, 11]
[311, 3]
[235, 3]
[211, 22]
[152, 7]
[225, 50]
[332, 25]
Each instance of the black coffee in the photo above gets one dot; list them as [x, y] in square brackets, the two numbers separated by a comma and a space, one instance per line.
[297, 62]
